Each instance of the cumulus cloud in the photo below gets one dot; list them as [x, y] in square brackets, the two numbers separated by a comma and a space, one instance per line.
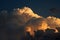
[26, 18]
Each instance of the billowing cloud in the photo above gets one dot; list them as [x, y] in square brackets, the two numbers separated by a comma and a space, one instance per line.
[26, 18]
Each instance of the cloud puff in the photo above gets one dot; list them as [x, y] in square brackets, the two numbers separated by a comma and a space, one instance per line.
[53, 21]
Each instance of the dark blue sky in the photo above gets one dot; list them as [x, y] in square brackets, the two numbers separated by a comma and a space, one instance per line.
[39, 6]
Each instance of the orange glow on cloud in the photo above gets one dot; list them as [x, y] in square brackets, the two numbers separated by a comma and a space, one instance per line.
[33, 21]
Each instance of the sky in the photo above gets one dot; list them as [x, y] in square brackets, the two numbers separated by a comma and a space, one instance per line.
[41, 7]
